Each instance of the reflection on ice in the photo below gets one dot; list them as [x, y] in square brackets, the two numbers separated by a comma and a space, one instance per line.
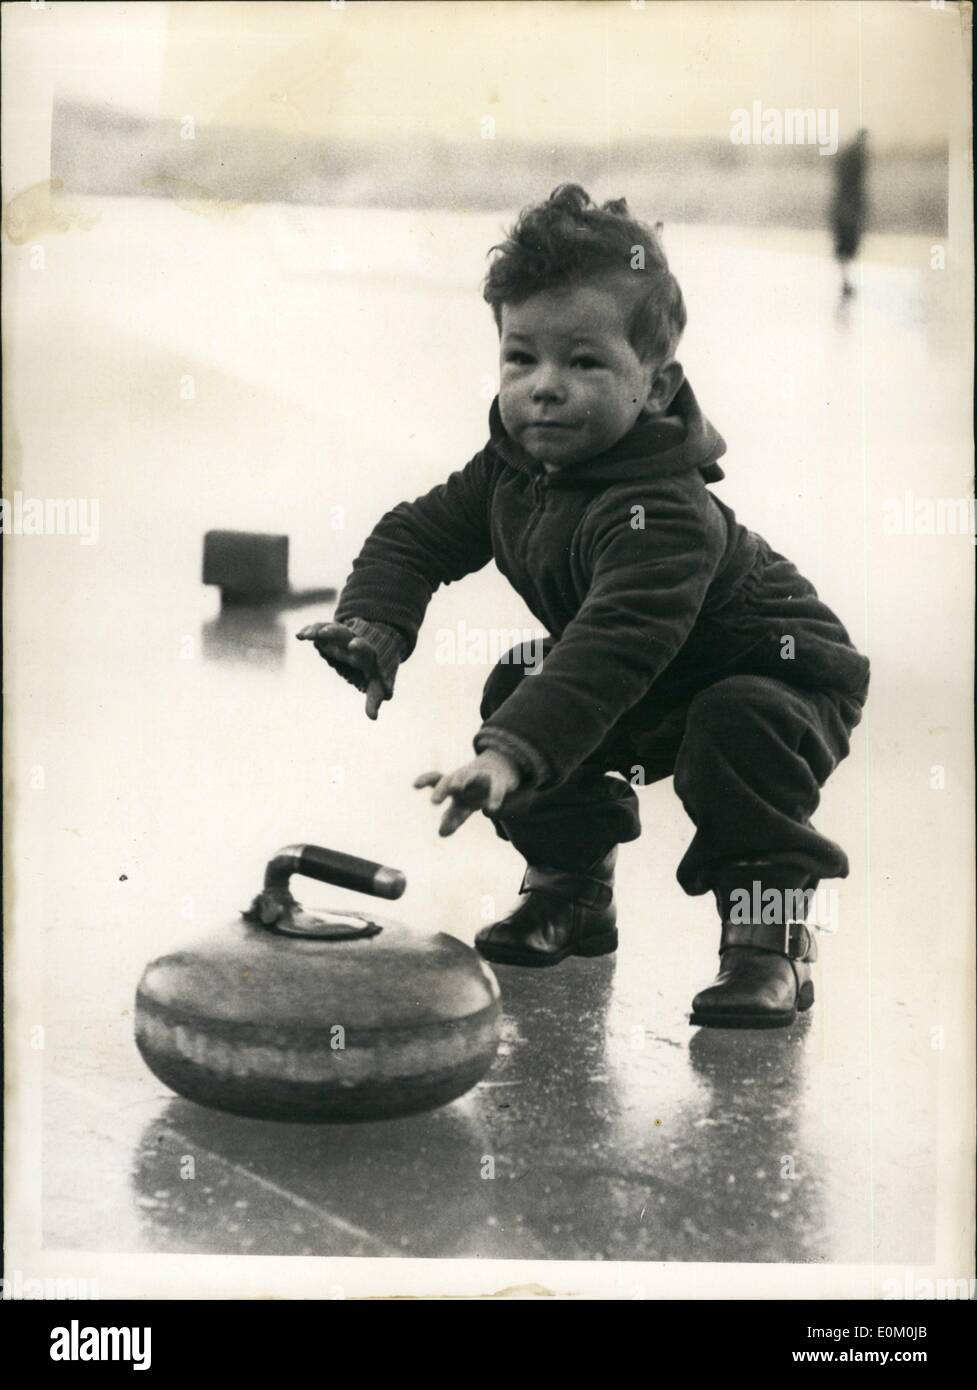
[250, 635]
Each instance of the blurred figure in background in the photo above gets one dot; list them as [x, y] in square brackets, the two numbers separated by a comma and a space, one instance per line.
[848, 208]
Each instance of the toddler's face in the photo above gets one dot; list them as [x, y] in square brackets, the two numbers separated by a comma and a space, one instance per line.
[571, 383]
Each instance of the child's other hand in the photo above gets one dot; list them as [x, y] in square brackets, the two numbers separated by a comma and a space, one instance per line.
[481, 785]
[354, 658]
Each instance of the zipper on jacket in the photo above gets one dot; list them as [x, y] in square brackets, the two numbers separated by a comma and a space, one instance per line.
[539, 505]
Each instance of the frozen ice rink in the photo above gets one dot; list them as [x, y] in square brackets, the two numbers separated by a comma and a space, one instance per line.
[300, 370]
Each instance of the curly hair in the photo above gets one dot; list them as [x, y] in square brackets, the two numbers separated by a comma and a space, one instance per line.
[569, 240]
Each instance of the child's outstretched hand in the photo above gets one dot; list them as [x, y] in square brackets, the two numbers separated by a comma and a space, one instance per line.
[354, 658]
[482, 784]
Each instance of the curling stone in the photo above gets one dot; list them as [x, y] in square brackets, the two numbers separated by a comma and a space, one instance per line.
[250, 569]
[327, 1016]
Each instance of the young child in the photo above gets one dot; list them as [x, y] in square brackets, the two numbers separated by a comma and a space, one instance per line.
[681, 644]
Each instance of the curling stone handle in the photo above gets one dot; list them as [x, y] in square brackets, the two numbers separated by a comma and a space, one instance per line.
[331, 866]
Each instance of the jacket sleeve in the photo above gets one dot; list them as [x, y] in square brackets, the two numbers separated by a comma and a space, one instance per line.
[416, 547]
[646, 589]
[388, 647]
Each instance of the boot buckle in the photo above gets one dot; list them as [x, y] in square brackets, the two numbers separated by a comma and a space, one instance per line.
[576, 888]
[795, 940]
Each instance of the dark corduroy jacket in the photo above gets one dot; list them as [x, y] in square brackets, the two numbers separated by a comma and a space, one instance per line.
[646, 580]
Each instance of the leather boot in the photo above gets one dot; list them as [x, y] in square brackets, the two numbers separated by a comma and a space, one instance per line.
[562, 914]
[764, 978]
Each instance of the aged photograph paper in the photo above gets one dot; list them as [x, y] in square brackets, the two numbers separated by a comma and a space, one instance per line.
[488, 555]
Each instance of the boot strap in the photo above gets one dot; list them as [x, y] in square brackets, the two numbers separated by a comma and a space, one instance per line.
[576, 888]
[794, 939]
